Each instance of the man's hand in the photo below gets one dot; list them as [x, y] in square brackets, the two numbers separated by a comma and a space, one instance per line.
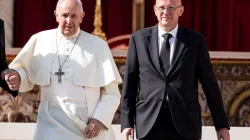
[93, 129]
[128, 132]
[223, 134]
[12, 79]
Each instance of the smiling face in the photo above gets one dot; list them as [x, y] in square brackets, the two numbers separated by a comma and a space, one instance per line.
[168, 13]
[69, 15]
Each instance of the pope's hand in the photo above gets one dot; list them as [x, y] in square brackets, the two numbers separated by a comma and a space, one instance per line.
[128, 132]
[93, 129]
[12, 79]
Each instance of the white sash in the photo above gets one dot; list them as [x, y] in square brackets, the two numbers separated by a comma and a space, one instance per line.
[70, 108]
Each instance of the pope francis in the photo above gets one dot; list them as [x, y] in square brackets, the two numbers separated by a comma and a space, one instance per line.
[77, 75]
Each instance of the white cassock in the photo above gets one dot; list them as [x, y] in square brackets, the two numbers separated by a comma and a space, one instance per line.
[65, 107]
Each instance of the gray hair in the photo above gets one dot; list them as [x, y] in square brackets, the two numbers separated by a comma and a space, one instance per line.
[79, 2]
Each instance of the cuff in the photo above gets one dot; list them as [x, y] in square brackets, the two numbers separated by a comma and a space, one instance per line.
[3, 73]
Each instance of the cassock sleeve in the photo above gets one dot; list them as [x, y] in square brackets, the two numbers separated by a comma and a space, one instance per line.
[22, 64]
[108, 104]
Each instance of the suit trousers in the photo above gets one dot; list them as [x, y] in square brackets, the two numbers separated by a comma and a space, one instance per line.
[164, 128]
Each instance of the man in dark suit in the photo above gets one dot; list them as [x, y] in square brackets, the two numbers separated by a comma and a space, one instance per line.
[3, 62]
[160, 90]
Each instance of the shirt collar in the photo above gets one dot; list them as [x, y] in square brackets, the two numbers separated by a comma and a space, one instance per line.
[60, 35]
[172, 32]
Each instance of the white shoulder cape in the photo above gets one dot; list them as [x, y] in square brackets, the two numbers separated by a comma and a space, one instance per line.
[94, 65]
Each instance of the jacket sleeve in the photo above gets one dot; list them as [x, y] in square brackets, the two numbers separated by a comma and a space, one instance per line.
[130, 87]
[211, 88]
[3, 61]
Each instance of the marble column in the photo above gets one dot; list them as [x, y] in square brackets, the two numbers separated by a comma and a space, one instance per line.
[6, 14]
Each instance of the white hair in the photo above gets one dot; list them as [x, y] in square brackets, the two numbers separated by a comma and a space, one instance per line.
[79, 2]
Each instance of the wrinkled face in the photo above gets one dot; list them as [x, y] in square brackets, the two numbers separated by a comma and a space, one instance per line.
[69, 16]
[168, 13]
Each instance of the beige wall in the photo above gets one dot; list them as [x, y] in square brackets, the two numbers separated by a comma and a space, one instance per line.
[6, 14]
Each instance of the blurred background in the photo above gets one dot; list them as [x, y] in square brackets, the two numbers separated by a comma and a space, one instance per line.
[224, 23]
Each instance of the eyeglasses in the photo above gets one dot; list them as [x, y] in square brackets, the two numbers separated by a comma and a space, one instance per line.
[168, 8]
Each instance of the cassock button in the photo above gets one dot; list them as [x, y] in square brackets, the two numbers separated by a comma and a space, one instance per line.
[67, 41]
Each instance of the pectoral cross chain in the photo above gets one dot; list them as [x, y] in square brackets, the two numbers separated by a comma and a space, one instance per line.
[60, 73]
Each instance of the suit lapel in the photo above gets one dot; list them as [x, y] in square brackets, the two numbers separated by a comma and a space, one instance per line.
[181, 39]
[152, 39]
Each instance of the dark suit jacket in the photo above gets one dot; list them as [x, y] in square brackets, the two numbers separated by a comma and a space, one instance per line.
[190, 63]
[3, 62]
